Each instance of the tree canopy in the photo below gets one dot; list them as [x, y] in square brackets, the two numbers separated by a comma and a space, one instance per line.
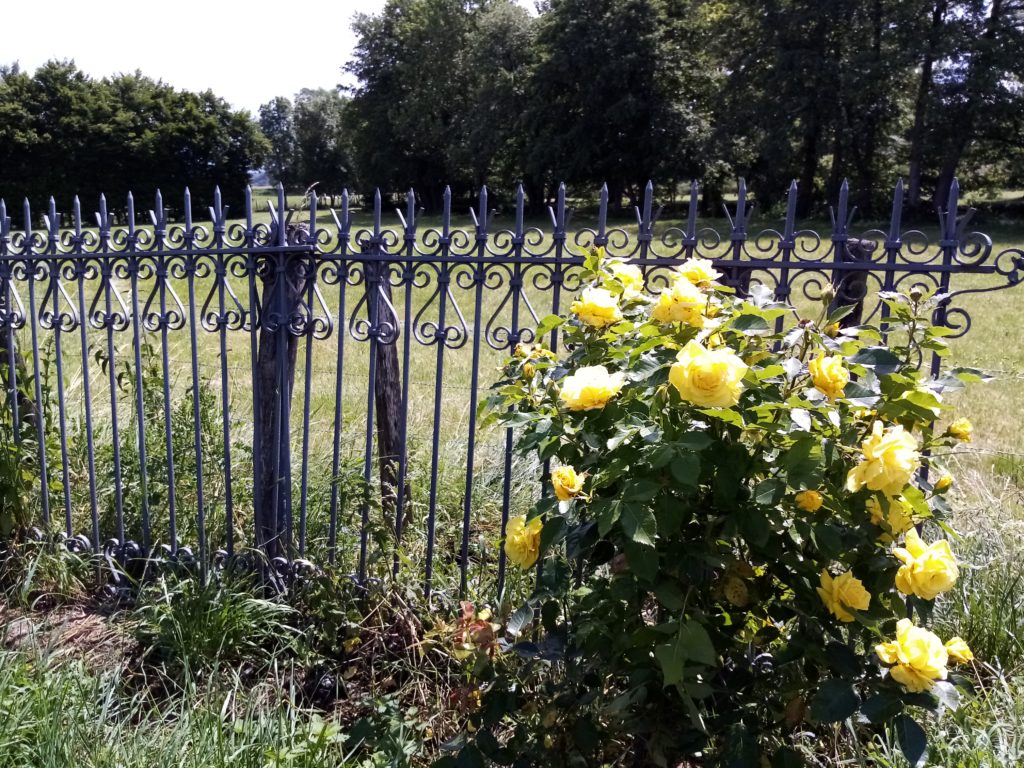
[63, 133]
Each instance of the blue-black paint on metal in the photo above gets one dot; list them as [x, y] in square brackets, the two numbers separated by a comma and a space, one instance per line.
[56, 282]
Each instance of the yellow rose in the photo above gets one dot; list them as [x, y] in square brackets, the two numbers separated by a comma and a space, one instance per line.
[832, 330]
[699, 271]
[529, 369]
[682, 302]
[709, 378]
[944, 483]
[590, 387]
[889, 460]
[829, 375]
[629, 276]
[961, 430]
[898, 517]
[927, 571]
[522, 541]
[842, 592]
[959, 652]
[597, 307]
[918, 657]
[809, 501]
[567, 483]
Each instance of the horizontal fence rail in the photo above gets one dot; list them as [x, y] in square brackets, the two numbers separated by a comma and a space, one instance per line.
[308, 389]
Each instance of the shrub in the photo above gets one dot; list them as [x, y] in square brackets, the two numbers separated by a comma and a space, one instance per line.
[734, 557]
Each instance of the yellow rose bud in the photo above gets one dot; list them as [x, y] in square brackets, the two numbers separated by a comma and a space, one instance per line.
[708, 378]
[683, 302]
[829, 375]
[590, 387]
[961, 430]
[809, 501]
[927, 570]
[529, 369]
[944, 483]
[959, 652]
[842, 592]
[522, 541]
[597, 307]
[567, 483]
[918, 657]
[700, 272]
[889, 460]
[627, 275]
[832, 330]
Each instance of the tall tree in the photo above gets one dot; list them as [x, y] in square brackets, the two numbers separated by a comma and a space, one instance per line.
[321, 139]
[616, 95]
[63, 133]
[277, 123]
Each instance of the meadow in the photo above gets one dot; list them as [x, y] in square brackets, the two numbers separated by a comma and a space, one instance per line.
[205, 711]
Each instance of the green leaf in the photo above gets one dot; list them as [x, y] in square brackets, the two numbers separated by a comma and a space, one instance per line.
[685, 469]
[548, 324]
[639, 523]
[641, 490]
[520, 620]
[842, 659]
[835, 700]
[672, 659]
[751, 325]
[643, 560]
[695, 441]
[470, 757]
[753, 524]
[802, 463]
[881, 707]
[552, 533]
[881, 359]
[669, 595]
[769, 492]
[697, 644]
[607, 512]
[912, 740]
[947, 694]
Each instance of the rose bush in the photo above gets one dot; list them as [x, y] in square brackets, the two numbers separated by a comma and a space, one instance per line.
[728, 557]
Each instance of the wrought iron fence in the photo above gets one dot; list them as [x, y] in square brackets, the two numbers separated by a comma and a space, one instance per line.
[310, 389]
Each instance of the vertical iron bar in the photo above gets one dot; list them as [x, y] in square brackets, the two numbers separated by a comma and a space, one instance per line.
[479, 277]
[191, 264]
[515, 287]
[787, 246]
[443, 277]
[408, 278]
[58, 346]
[310, 277]
[219, 216]
[949, 244]
[162, 275]
[342, 272]
[374, 271]
[80, 272]
[140, 406]
[255, 320]
[107, 272]
[893, 244]
[32, 262]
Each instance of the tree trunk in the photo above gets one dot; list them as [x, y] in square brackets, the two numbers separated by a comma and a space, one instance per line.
[979, 82]
[278, 348]
[387, 395]
[924, 87]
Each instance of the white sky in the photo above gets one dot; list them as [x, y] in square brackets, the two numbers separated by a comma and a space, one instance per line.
[246, 52]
